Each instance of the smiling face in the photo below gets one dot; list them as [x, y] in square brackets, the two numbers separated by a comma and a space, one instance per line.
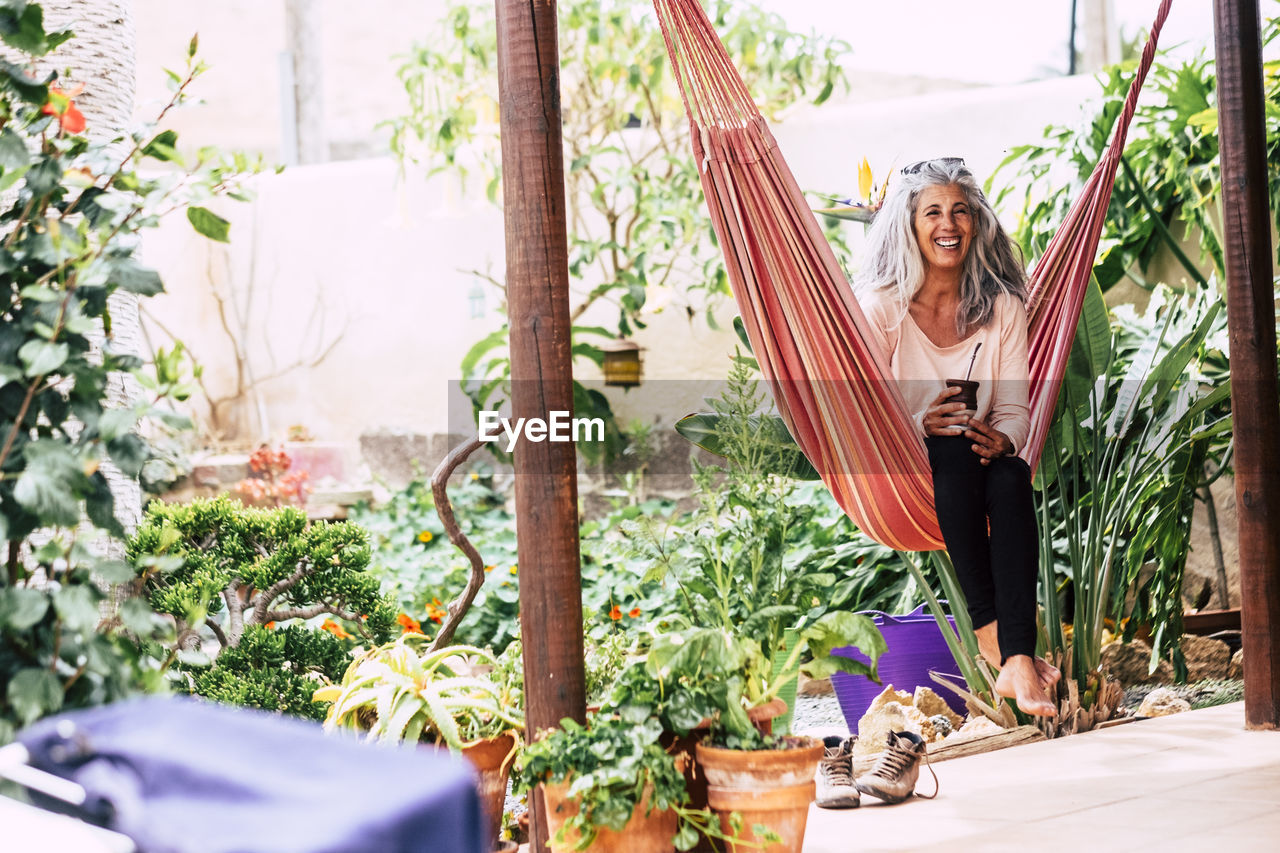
[943, 226]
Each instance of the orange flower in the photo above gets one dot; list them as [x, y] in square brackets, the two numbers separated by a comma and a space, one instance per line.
[635, 613]
[335, 629]
[409, 624]
[60, 104]
[269, 625]
[616, 613]
[436, 611]
[490, 568]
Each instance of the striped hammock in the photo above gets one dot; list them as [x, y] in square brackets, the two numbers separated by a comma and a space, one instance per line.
[828, 379]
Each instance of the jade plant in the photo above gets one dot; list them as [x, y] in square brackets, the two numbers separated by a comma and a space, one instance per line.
[231, 577]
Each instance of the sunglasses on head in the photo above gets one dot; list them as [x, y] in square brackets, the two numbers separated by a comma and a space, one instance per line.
[947, 162]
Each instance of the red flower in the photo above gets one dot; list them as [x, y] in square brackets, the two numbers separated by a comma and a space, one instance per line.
[60, 104]
[615, 613]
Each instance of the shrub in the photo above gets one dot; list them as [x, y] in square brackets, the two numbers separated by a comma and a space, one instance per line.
[228, 575]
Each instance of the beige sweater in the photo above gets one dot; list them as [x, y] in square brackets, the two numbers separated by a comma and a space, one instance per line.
[920, 366]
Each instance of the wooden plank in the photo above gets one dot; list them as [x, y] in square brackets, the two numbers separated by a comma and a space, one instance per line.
[1208, 622]
[959, 748]
[1255, 402]
[546, 485]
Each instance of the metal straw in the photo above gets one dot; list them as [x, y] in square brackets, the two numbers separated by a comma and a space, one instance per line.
[972, 358]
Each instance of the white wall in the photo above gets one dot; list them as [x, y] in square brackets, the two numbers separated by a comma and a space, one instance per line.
[380, 261]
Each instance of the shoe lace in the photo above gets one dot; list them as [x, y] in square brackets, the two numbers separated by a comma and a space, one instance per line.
[838, 771]
[896, 760]
[936, 785]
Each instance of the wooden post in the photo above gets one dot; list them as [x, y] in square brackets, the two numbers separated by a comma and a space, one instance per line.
[541, 373]
[1251, 318]
[302, 29]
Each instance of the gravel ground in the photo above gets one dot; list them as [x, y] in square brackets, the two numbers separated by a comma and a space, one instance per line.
[818, 716]
[1202, 694]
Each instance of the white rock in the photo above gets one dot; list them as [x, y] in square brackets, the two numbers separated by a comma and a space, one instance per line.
[976, 727]
[1162, 702]
[874, 728]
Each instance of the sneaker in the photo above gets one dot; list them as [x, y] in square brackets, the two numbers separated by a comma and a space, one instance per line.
[835, 775]
[893, 779]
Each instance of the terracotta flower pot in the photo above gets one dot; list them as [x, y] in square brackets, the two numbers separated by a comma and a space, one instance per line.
[652, 833]
[492, 760]
[694, 779]
[773, 787]
[783, 810]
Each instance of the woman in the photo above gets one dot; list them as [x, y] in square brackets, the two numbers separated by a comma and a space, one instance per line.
[944, 289]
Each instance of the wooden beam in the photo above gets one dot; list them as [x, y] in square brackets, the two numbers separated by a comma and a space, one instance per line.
[541, 371]
[1255, 404]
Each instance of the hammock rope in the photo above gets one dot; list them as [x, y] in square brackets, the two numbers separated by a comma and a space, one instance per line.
[830, 382]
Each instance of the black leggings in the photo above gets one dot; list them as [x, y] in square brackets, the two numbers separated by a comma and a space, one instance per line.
[998, 571]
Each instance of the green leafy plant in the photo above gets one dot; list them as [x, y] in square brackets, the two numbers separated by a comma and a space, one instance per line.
[420, 569]
[637, 225]
[73, 211]
[1170, 174]
[404, 691]
[1119, 470]
[231, 574]
[610, 766]
[711, 677]
[735, 566]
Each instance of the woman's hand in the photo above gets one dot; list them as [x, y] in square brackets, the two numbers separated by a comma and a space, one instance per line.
[945, 418]
[989, 442]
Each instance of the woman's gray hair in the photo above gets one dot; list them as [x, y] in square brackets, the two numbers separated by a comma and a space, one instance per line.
[993, 265]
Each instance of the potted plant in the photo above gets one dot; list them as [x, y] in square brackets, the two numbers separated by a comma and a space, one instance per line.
[404, 691]
[609, 787]
[701, 684]
[737, 564]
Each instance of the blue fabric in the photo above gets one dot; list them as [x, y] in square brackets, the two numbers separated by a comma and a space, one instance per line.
[182, 775]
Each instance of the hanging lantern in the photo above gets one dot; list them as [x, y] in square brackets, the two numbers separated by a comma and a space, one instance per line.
[621, 363]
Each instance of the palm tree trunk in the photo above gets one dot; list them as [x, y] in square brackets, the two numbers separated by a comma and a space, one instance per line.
[102, 56]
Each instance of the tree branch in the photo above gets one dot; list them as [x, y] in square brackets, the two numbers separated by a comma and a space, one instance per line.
[235, 613]
[263, 600]
[439, 481]
[309, 612]
[217, 631]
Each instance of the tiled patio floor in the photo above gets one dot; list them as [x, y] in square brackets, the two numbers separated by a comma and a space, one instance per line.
[1195, 781]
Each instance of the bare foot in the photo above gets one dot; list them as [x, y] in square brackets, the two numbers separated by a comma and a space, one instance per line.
[1019, 681]
[1048, 673]
[988, 643]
